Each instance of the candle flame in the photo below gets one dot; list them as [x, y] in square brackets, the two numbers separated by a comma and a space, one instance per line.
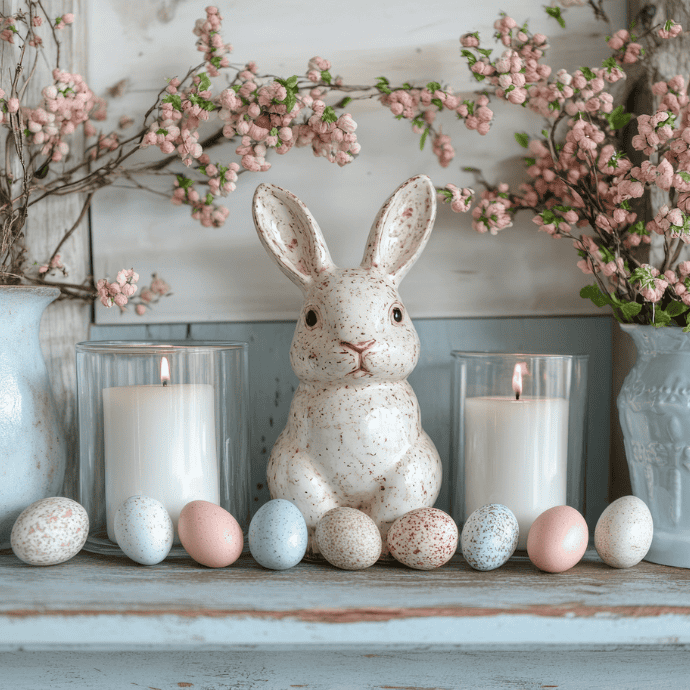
[519, 371]
[165, 371]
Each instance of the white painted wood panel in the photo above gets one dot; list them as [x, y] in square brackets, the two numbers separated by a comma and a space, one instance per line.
[223, 274]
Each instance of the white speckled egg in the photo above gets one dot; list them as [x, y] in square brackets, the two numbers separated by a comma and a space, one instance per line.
[489, 536]
[144, 530]
[348, 538]
[50, 531]
[624, 532]
[278, 535]
[423, 539]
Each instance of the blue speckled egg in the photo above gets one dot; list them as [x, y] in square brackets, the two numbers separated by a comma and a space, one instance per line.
[278, 535]
[144, 530]
[489, 537]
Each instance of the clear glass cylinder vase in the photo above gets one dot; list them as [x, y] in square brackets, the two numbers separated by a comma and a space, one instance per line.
[164, 420]
[519, 430]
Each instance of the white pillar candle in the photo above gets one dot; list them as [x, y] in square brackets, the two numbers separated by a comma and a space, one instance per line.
[516, 453]
[160, 441]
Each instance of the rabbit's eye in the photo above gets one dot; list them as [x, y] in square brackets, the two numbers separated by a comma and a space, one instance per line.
[311, 318]
[397, 315]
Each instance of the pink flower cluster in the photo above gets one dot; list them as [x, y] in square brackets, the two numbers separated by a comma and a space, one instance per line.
[55, 263]
[493, 211]
[120, 290]
[670, 30]
[204, 209]
[627, 51]
[67, 103]
[460, 200]
[151, 295]
[210, 42]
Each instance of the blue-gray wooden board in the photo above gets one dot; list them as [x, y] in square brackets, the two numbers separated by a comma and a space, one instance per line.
[272, 381]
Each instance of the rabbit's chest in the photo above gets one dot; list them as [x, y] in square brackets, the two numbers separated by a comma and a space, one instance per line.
[372, 426]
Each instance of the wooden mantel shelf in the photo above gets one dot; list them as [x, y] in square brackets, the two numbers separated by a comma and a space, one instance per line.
[102, 603]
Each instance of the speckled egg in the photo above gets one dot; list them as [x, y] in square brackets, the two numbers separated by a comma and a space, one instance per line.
[557, 539]
[50, 531]
[278, 535]
[423, 539]
[348, 539]
[144, 530]
[209, 534]
[624, 532]
[489, 536]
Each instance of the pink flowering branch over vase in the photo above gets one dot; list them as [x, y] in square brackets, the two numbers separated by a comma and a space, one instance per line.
[580, 176]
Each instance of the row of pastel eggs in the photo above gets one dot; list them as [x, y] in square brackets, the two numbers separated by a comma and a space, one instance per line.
[53, 530]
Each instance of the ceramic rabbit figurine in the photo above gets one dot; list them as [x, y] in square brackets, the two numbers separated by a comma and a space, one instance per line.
[354, 436]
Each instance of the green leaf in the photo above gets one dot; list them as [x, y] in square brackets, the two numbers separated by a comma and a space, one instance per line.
[291, 82]
[215, 61]
[669, 24]
[205, 83]
[438, 103]
[175, 99]
[545, 133]
[471, 57]
[609, 64]
[329, 115]
[407, 86]
[596, 295]
[202, 102]
[676, 309]
[209, 199]
[587, 73]
[486, 52]
[629, 310]
[433, 86]
[162, 131]
[345, 101]
[184, 182]
[684, 175]
[326, 76]
[661, 318]
[422, 141]
[530, 162]
[555, 12]
[618, 118]
[478, 77]
[625, 205]
[522, 138]
[273, 132]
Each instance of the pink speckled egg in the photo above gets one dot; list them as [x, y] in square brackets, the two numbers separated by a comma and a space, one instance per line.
[557, 539]
[348, 538]
[423, 539]
[50, 531]
[209, 534]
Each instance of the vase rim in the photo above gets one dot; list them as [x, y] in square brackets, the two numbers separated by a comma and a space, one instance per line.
[46, 290]
[487, 354]
[139, 347]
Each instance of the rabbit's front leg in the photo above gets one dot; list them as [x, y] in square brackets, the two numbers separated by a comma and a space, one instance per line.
[292, 475]
[414, 482]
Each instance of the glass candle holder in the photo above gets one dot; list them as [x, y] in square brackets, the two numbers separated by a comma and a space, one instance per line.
[164, 420]
[518, 433]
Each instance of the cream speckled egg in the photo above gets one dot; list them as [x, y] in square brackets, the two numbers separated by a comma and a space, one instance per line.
[348, 538]
[423, 539]
[278, 535]
[624, 532]
[50, 531]
[557, 539]
[489, 536]
[210, 534]
[144, 530]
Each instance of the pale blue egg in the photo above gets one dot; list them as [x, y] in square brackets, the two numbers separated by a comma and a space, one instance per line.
[278, 535]
[489, 536]
[144, 530]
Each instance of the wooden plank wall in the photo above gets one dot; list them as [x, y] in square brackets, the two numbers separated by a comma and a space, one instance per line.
[272, 381]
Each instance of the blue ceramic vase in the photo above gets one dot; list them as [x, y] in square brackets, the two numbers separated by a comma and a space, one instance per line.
[33, 449]
[654, 413]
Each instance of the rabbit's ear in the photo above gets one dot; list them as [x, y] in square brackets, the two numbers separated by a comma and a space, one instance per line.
[290, 234]
[402, 228]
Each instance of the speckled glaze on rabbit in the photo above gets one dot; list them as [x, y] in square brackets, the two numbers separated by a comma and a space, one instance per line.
[354, 436]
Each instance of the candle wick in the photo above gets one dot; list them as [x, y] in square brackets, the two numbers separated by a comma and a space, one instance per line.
[165, 382]
[517, 396]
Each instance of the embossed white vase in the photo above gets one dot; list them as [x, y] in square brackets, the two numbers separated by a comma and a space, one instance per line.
[33, 450]
[654, 413]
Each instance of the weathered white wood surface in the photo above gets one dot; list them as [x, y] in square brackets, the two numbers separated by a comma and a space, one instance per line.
[66, 322]
[224, 274]
[102, 603]
[347, 670]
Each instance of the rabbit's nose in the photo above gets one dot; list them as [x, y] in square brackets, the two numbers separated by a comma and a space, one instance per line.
[358, 347]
